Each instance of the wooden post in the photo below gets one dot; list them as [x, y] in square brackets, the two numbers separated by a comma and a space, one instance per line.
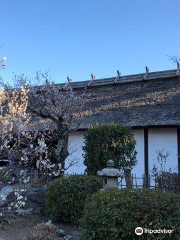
[178, 148]
[146, 160]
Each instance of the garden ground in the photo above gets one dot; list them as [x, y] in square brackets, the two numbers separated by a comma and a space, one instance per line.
[20, 228]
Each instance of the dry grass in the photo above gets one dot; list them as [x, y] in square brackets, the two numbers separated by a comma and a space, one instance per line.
[43, 231]
[22, 227]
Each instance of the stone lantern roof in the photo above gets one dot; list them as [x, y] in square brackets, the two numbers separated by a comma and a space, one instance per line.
[110, 171]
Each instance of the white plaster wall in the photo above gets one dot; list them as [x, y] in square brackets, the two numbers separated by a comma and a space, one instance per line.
[163, 139]
[75, 148]
[158, 139]
[76, 141]
[139, 137]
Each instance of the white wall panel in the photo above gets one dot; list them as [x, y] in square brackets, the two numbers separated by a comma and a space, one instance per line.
[158, 139]
[139, 137]
[163, 139]
[76, 141]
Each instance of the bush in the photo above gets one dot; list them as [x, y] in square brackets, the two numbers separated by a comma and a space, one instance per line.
[66, 196]
[105, 142]
[115, 214]
[168, 181]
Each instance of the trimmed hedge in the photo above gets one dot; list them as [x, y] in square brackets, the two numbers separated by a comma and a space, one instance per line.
[66, 196]
[115, 214]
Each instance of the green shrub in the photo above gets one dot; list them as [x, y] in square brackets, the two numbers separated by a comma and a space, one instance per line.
[168, 181]
[115, 214]
[105, 142]
[66, 196]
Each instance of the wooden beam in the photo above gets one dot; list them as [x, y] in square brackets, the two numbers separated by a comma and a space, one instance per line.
[146, 74]
[146, 160]
[178, 70]
[178, 148]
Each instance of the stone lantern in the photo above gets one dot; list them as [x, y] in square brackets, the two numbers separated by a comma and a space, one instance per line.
[109, 175]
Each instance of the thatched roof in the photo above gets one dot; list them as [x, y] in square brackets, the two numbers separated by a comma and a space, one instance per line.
[133, 100]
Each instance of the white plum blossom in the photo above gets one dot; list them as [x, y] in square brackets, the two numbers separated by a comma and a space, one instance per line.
[44, 163]
[34, 148]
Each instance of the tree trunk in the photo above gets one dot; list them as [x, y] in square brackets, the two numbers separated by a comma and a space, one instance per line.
[62, 146]
[128, 178]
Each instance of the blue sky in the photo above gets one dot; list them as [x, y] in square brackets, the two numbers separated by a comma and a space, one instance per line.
[78, 37]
